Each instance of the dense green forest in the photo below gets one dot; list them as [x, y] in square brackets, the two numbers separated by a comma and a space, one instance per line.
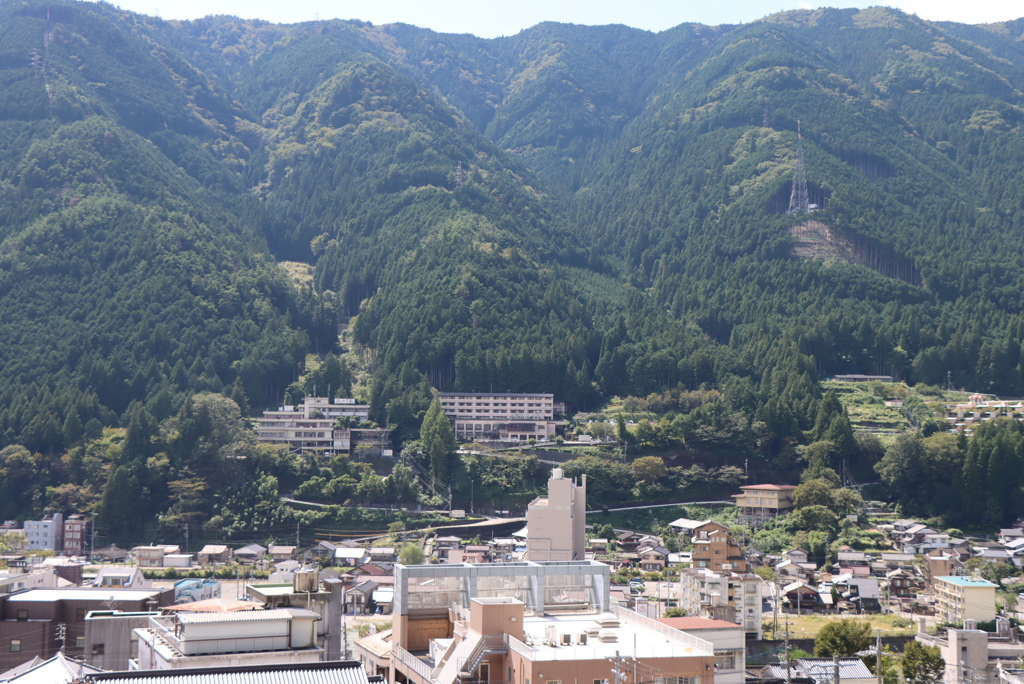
[589, 211]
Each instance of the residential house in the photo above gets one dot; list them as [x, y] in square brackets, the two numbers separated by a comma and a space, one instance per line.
[374, 570]
[359, 599]
[921, 539]
[801, 597]
[283, 553]
[214, 553]
[758, 503]
[383, 553]
[1011, 534]
[149, 556]
[250, 553]
[696, 528]
[597, 545]
[110, 554]
[854, 562]
[320, 551]
[894, 560]
[791, 570]
[719, 552]
[902, 584]
[653, 558]
[350, 556]
[820, 671]
[797, 555]
[862, 592]
[123, 578]
[628, 541]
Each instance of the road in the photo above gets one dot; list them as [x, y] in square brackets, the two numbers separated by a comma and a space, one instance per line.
[665, 505]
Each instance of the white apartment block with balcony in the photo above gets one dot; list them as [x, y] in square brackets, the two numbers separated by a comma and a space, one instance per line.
[311, 425]
[731, 596]
[501, 416]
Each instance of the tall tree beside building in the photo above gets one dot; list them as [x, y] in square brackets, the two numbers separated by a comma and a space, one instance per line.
[922, 664]
[438, 440]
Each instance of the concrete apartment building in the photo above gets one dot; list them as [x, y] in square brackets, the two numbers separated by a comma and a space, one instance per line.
[975, 656]
[724, 595]
[556, 523]
[518, 622]
[959, 599]
[254, 637]
[46, 534]
[76, 535]
[501, 416]
[758, 503]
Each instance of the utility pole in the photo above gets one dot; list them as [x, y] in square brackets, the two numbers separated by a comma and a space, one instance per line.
[878, 656]
[62, 631]
[789, 661]
[92, 541]
[186, 537]
[297, 542]
[835, 669]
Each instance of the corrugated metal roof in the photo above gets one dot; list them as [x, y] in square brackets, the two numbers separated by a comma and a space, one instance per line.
[245, 616]
[335, 672]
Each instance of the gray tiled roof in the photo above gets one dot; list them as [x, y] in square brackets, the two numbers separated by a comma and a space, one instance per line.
[333, 672]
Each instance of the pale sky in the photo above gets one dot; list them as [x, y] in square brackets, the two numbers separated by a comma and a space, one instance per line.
[487, 18]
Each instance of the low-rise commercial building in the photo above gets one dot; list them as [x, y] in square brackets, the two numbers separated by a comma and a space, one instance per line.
[257, 637]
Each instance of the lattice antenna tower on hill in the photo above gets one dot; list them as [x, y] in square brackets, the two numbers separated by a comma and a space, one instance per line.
[458, 177]
[798, 202]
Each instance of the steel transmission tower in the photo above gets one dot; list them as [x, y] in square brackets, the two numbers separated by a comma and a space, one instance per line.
[798, 202]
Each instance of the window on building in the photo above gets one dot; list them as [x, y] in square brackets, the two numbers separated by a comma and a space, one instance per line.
[23, 615]
[97, 649]
[80, 642]
[80, 613]
[15, 645]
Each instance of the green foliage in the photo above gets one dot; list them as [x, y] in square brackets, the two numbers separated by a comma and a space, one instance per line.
[842, 637]
[922, 664]
[411, 554]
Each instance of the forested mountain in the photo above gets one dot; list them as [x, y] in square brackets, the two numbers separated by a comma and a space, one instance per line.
[591, 211]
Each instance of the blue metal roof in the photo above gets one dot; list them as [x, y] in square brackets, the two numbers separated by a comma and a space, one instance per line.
[967, 581]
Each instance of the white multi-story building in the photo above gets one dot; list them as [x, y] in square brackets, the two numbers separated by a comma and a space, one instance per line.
[314, 425]
[501, 416]
[46, 534]
[730, 596]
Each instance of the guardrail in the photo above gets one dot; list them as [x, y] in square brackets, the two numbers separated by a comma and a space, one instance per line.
[412, 662]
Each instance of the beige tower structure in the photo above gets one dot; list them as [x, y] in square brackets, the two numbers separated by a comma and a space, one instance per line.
[555, 524]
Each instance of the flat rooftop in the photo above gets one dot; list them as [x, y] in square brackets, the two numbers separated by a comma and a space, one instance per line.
[608, 634]
[967, 581]
[96, 594]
